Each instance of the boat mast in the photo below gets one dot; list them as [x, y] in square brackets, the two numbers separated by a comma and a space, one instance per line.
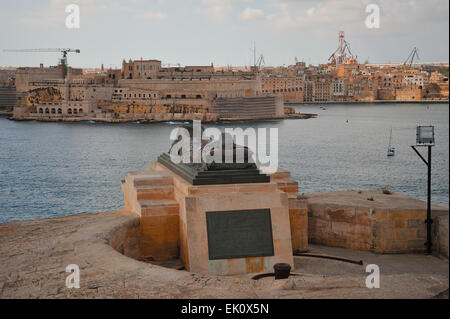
[390, 139]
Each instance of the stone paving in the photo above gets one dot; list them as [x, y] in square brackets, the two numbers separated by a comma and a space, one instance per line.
[34, 255]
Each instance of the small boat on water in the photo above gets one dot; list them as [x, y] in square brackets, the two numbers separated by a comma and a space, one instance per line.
[390, 150]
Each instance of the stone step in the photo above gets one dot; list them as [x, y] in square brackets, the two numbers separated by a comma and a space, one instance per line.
[151, 178]
[161, 207]
[155, 192]
[280, 175]
[288, 187]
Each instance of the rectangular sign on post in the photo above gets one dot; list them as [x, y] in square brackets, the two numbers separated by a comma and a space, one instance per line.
[239, 234]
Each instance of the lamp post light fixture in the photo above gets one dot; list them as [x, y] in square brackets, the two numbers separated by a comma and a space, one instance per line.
[425, 137]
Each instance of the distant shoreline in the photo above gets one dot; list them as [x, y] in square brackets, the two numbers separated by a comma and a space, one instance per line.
[146, 121]
[6, 113]
[374, 102]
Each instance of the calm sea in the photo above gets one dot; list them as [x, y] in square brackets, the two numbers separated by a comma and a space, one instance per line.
[58, 169]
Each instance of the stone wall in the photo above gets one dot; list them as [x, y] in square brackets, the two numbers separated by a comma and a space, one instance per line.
[7, 97]
[267, 106]
[410, 93]
[210, 85]
[150, 195]
[369, 220]
[298, 209]
[339, 226]
[440, 235]
[25, 75]
[126, 238]
[386, 94]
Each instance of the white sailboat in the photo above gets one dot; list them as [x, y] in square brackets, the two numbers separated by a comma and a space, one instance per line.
[390, 150]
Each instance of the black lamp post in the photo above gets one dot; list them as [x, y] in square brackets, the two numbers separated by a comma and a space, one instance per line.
[425, 137]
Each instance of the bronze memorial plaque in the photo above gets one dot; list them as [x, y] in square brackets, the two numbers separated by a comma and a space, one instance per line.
[239, 234]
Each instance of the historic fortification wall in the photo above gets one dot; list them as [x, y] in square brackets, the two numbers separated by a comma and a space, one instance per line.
[409, 94]
[266, 106]
[7, 97]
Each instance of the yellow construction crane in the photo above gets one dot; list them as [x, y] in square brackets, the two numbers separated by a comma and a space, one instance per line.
[63, 60]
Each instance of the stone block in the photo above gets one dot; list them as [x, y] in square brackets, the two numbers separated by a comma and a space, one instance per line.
[415, 223]
[384, 230]
[395, 245]
[299, 229]
[399, 223]
[416, 245]
[363, 217]
[382, 215]
[405, 234]
[346, 215]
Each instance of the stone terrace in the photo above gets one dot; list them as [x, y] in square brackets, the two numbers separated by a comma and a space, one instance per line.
[34, 255]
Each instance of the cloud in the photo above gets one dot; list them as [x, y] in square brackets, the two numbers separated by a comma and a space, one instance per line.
[397, 16]
[251, 14]
[54, 14]
[219, 9]
[151, 15]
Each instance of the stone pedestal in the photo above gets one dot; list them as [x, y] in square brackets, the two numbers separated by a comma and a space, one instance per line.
[182, 220]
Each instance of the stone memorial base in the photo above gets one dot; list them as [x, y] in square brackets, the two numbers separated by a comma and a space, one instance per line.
[221, 229]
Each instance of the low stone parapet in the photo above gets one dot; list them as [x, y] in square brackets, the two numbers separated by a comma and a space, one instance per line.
[369, 220]
[440, 235]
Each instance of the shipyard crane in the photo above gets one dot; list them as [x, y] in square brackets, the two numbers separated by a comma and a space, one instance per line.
[63, 60]
[260, 61]
[410, 59]
[340, 54]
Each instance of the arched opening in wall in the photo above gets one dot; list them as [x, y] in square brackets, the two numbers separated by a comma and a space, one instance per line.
[41, 110]
[183, 96]
[69, 111]
[75, 111]
[47, 111]
[168, 96]
[59, 111]
[53, 111]
[198, 96]
[80, 111]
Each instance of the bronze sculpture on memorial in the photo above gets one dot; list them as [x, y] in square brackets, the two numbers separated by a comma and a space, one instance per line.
[213, 172]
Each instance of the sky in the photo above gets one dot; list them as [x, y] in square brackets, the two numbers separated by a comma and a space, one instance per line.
[222, 32]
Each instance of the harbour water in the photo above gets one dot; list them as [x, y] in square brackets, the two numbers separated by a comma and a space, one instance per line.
[58, 169]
